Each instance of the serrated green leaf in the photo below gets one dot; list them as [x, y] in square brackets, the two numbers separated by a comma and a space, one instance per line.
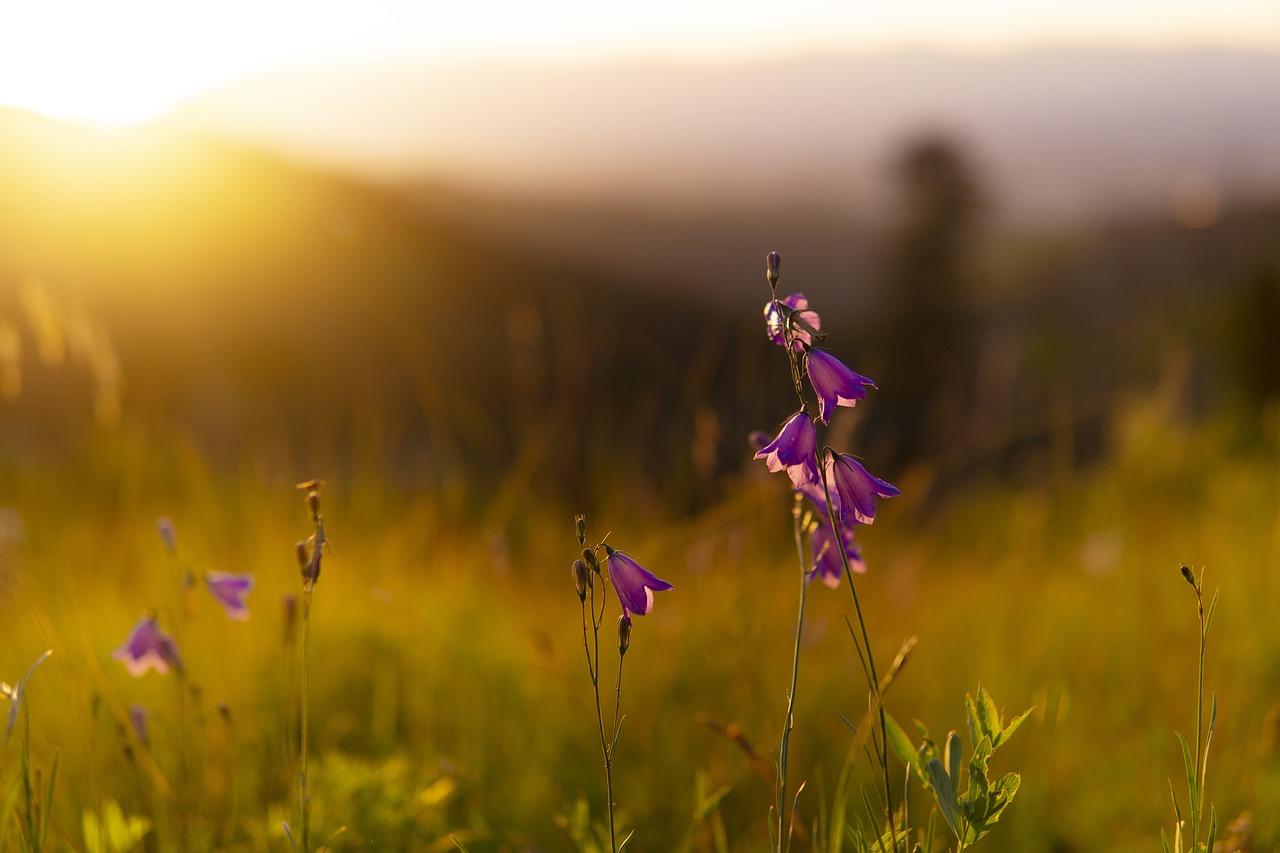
[945, 794]
[1002, 793]
[982, 752]
[984, 716]
[1007, 732]
[977, 798]
[1006, 787]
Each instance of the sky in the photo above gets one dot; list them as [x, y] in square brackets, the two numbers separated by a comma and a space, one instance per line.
[129, 61]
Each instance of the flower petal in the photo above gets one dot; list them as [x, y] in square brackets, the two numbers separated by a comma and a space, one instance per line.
[834, 383]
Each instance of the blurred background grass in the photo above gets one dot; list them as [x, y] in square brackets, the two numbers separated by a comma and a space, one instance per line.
[449, 691]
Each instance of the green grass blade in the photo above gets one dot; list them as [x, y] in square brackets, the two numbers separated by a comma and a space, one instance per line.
[47, 806]
[1190, 765]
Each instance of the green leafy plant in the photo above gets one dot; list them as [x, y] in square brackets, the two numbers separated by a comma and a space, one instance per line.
[973, 812]
[1197, 765]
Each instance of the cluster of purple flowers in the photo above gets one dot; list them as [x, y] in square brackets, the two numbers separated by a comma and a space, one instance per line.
[839, 488]
[151, 647]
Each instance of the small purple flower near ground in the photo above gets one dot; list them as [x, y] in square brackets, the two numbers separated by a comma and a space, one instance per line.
[635, 584]
[139, 718]
[164, 526]
[804, 322]
[148, 647]
[857, 489]
[230, 590]
[793, 451]
[834, 383]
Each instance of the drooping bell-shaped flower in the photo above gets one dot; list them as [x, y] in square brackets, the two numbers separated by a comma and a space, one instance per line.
[230, 590]
[857, 489]
[148, 647]
[793, 451]
[834, 383]
[792, 312]
[635, 584]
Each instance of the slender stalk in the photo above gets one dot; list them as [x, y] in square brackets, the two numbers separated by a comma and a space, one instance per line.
[789, 722]
[593, 668]
[305, 799]
[869, 661]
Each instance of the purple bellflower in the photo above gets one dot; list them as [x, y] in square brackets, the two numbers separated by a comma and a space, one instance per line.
[857, 489]
[148, 647]
[230, 590]
[793, 451]
[635, 584]
[793, 310]
[835, 384]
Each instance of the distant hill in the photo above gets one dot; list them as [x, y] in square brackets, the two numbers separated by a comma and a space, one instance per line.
[251, 304]
[437, 334]
[1058, 133]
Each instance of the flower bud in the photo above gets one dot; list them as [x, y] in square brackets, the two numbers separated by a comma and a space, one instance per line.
[624, 634]
[1190, 578]
[313, 505]
[773, 263]
[300, 550]
[590, 557]
[581, 522]
[581, 577]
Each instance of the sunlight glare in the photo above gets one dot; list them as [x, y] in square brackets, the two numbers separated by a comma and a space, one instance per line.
[129, 61]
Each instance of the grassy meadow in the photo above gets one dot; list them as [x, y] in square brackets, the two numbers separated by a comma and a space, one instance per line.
[450, 697]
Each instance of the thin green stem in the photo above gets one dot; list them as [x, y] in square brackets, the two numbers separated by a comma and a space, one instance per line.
[617, 705]
[869, 661]
[1195, 806]
[789, 722]
[305, 803]
[593, 667]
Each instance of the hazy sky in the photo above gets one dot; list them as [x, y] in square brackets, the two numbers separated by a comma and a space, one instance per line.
[119, 61]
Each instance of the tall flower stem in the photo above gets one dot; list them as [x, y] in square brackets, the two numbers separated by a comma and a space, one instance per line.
[305, 799]
[593, 668]
[310, 553]
[864, 651]
[788, 724]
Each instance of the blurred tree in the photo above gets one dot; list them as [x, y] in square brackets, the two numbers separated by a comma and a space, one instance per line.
[929, 337]
[1254, 339]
